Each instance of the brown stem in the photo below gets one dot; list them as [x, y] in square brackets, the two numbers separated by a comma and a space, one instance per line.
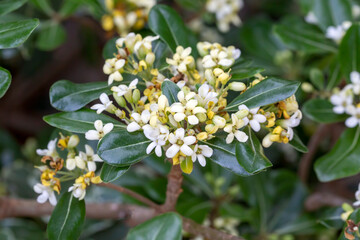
[173, 189]
[132, 214]
[306, 160]
[131, 193]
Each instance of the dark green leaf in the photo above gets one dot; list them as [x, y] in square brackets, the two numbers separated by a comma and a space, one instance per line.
[5, 80]
[268, 91]
[343, 159]
[304, 38]
[67, 218]
[167, 23]
[13, 34]
[298, 144]
[110, 173]
[349, 50]
[110, 49]
[43, 5]
[250, 154]
[80, 121]
[224, 155]
[317, 78]
[51, 36]
[161, 51]
[170, 90]
[122, 148]
[69, 7]
[239, 74]
[321, 110]
[7, 6]
[165, 226]
[332, 12]
[335, 74]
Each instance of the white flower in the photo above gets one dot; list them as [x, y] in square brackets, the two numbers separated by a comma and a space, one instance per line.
[77, 161]
[206, 95]
[78, 191]
[106, 104]
[311, 18]
[158, 136]
[226, 12]
[182, 60]
[139, 120]
[253, 118]
[46, 193]
[50, 151]
[355, 79]
[342, 101]
[186, 108]
[233, 130]
[180, 143]
[112, 67]
[122, 89]
[141, 48]
[336, 33]
[354, 119]
[200, 152]
[89, 157]
[100, 131]
[293, 121]
[357, 196]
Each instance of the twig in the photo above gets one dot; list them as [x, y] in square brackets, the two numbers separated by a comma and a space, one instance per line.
[132, 214]
[173, 189]
[306, 160]
[131, 193]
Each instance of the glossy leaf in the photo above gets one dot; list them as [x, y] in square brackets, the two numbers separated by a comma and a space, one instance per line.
[110, 173]
[343, 159]
[250, 154]
[161, 51]
[266, 92]
[317, 78]
[69, 7]
[43, 5]
[80, 121]
[321, 110]
[67, 218]
[110, 49]
[122, 148]
[239, 74]
[167, 23]
[13, 34]
[304, 38]
[7, 6]
[332, 12]
[225, 156]
[51, 36]
[5, 80]
[298, 144]
[165, 226]
[349, 50]
[170, 90]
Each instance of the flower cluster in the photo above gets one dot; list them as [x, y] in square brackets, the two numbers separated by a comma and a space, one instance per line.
[125, 16]
[345, 100]
[226, 12]
[180, 125]
[81, 167]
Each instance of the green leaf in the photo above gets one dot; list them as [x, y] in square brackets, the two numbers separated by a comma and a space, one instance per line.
[317, 78]
[167, 23]
[332, 12]
[13, 34]
[80, 121]
[355, 217]
[69, 7]
[5, 80]
[321, 110]
[349, 50]
[165, 226]
[250, 154]
[239, 74]
[122, 148]
[225, 156]
[305, 38]
[51, 36]
[170, 90]
[7, 6]
[67, 218]
[161, 51]
[298, 144]
[343, 159]
[268, 91]
[334, 74]
[43, 5]
[110, 173]
[110, 49]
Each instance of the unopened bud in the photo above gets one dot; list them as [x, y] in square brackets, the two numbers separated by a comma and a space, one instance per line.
[218, 71]
[136, 96]
[242, 113]
[307, 87]
[224, 78]
[219, 121]
[73, 141]
[210, 76]
[202, 136]
[211, 128]
[119, 99]
[237, 86]
[150, 58]
[201, 116]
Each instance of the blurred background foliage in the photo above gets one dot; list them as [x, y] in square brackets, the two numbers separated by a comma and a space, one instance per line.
[68, 44]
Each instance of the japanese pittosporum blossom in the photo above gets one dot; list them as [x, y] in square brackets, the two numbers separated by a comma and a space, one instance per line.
[344, 100]
[226, 12]
[215, 55]
[336, 33]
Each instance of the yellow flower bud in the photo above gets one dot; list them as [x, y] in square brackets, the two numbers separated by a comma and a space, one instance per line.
[224, 78]
[218, 71]
[186, 165]
[211, 128]
[202, 136]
